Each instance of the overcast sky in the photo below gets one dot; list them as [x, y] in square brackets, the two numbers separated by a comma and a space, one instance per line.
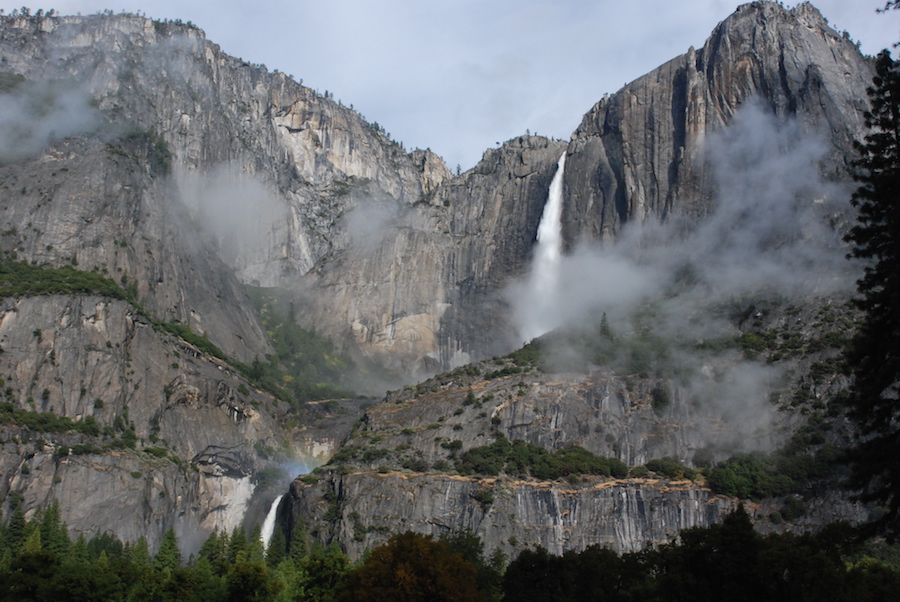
[458, 76]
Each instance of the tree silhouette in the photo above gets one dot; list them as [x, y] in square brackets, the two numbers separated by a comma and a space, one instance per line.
[874, 353]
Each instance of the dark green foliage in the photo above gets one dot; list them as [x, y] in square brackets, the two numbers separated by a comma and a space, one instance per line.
[793, 508]
[159, 452]
[46, 422]
[21, 279]
[660, 397]
[327, 570]
[489, 571]
[758, 475]
[526, 459]
[505, 371]
[874, 354]
[184, 333]
[277, 548]
[594, 574]
[251, 581]
[10, 81]
[169, 556]
[529, 355]
[671, 468]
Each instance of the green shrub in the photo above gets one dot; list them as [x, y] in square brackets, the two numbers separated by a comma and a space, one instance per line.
[671, 468]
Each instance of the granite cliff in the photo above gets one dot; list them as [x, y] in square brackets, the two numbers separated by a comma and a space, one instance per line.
[183, 175]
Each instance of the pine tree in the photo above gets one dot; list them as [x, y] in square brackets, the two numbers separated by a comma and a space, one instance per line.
[54, 533]
[277, 550]
[874, 354]
[169, 556]
[297, 545]
[15, 527]
[237, 544]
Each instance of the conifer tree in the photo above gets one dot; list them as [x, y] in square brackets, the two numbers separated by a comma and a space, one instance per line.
[169, 556]
[297, 546]
[277, 550]
[874, 354]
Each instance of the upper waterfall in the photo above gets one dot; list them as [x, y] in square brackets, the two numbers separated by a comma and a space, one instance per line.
[543, 283]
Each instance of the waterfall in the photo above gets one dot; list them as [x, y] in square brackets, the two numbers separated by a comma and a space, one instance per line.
[543, 284]
[268, 527]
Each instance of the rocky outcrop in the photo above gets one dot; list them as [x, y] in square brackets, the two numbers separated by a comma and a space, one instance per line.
[640, 152]
[623, 515]
[630, 418]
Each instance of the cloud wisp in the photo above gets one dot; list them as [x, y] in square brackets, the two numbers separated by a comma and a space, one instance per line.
[35, 114]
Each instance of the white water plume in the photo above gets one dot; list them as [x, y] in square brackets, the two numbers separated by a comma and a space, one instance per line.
[268, 527]
[542, 288]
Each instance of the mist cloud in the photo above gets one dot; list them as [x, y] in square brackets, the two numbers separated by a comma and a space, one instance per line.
[34, 114]
[369, 221]
[237, 209]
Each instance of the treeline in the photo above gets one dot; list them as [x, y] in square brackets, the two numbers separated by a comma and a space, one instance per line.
[729, 561]
[39, 561]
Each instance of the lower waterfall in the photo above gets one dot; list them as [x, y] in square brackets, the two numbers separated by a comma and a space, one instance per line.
[268, 526]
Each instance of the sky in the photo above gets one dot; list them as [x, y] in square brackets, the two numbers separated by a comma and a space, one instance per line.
[460, 76]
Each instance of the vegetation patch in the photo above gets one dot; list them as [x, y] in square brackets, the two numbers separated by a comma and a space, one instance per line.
[528, 460]
[21, 279]
[46, 422]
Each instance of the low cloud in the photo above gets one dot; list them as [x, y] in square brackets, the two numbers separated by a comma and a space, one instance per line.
[35, 114]
[236, 208]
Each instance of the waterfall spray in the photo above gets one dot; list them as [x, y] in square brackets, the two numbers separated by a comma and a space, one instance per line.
[543, 283]
[268, 527]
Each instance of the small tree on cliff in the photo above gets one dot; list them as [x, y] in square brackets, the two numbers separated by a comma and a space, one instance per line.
[874, 354]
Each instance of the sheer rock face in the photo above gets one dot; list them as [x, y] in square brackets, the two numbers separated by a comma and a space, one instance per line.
[257, 169]
[640, 152]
